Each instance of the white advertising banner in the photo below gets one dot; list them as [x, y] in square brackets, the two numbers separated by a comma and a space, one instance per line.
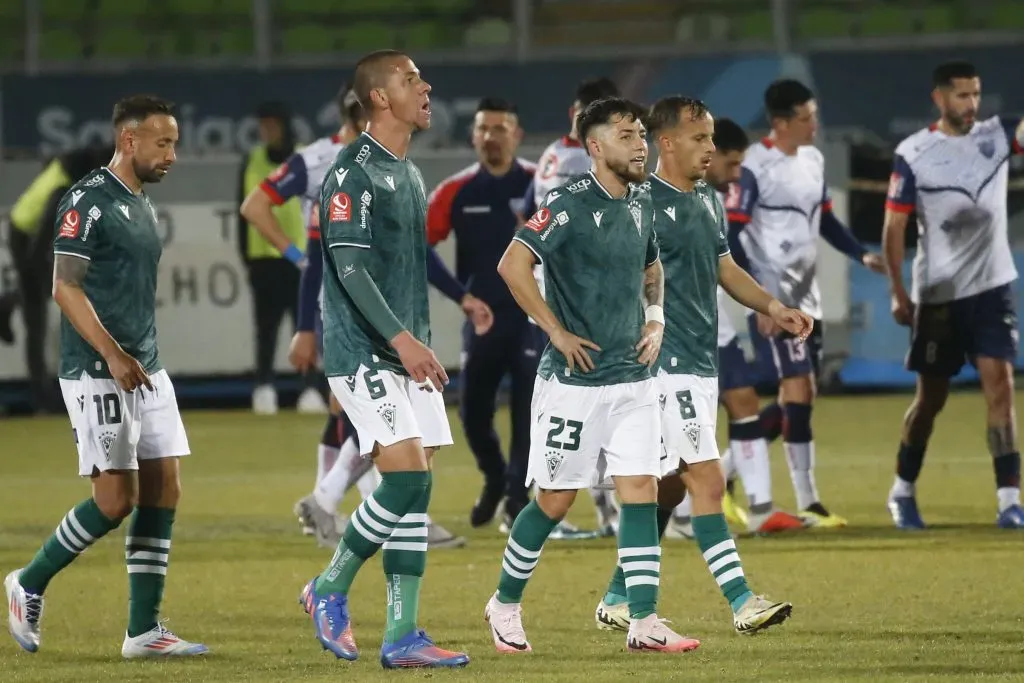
[204, 314]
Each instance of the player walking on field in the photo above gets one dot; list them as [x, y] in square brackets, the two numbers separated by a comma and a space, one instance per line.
[124, 414]
[960, 308]
[595, 405]
[695, 257]
[377, 358]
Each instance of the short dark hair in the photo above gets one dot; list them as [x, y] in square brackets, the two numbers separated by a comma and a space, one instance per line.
[730, 136]
[945, 73]
[349, 108]
[369, 74]
[138, 108]
[601, 112]
[595, 89]
[667, 112]
[498, 104]
[783, 97]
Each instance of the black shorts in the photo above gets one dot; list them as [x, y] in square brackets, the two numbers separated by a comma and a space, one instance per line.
[947, 335]
[789, 356]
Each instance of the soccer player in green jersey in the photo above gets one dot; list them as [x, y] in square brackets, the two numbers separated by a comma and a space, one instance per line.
[378, 360]
[696, 259]
[123, 411]
[595, 403]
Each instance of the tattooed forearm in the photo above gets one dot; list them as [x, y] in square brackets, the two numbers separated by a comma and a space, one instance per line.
[69, 270]
[654, 284]
[1002, 439]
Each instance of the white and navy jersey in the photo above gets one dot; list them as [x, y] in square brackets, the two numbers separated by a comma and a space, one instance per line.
[726, 331]
[302, 174]
[957, 186]
[780, 199]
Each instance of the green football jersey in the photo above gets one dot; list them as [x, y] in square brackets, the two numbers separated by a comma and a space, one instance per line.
[104, 222]
[372, 200]
[691, 232]
[594, 249]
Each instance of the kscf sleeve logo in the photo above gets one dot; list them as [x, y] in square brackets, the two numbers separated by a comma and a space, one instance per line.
[341, 208]
[579, 185]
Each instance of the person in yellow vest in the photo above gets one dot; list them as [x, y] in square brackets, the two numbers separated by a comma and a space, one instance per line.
[31, 245]
[273, 276]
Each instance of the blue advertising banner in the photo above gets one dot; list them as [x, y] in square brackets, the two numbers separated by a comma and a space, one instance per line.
[878, 345]
[48, 114]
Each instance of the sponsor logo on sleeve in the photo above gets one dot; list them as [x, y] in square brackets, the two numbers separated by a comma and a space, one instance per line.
[341, 208]
[69, 224]
[364, 208]
[539, 220]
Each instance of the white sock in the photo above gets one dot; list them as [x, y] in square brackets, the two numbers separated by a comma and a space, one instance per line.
[1008, 497]
[368, 483]
[684, 509]
[800, 457]
[348, 466]
[902, 489]
[326, 456]
[750, 459]
[729, 463]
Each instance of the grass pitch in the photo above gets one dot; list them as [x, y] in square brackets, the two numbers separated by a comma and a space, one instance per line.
[870, 603]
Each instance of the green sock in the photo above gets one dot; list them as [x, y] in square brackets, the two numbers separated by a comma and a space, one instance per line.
[522, 552]
[616, 593]
[640, 557]
[719, 552]
[81, 527]
[370, 527]
[405, 559]
[146, 550]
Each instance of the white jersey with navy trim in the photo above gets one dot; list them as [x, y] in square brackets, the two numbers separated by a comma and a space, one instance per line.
[302, 174]
[726, 331]
[957, 186]
[781, 197]
[561, 160]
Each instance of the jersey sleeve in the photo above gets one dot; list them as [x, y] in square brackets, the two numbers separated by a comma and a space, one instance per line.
[742, 198]
[290, 179]
[902, 194]
[653, 250]
[723, 227]
[439, 212]
[547, 228]
[346, 209]
[1014, 133]
[77, 230]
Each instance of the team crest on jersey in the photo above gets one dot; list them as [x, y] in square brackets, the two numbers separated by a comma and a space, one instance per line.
[671, 213]
[637, 214]
[553, 460]
[70, 223]
[107, 440]
[692, 432]
[387, 413]
[987, 147]
[710, 206]
[341, 208]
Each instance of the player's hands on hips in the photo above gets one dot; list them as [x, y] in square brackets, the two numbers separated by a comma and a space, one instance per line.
[478, 312]
[126, 371]
[874, 262]
[574, 349]
[902, 309]
[302, 351]
[794, 321]
[649, 347]
[419, 361]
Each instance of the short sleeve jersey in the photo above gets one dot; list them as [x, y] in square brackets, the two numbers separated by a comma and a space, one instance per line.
[691, 234]
[594, 249]
[102, 221]
[375, 201]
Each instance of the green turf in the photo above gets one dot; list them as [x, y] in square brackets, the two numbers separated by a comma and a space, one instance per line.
[870, 603]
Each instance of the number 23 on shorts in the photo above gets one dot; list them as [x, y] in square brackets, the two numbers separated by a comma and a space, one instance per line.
[564, 434]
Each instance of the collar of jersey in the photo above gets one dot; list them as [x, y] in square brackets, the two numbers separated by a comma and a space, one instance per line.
[630, 189]
[118, 180]
[383, 148]
[671, 186]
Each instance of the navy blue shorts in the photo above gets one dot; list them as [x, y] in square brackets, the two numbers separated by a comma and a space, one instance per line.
[945, 336]
[789, 357]
[734, 372]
